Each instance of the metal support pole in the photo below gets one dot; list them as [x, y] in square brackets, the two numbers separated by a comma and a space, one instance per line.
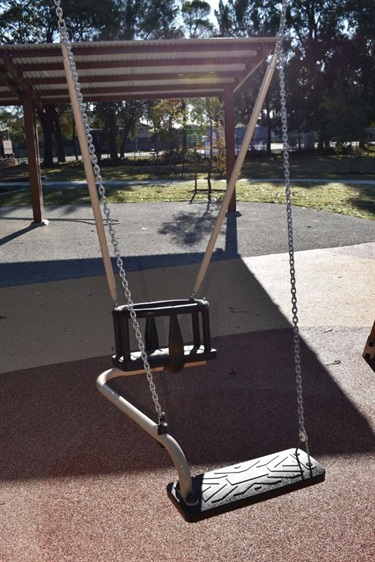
[90, 178]
[148, 425]
[236, 170]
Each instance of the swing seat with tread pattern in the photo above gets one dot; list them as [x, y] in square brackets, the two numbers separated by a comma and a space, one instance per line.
[250, 482]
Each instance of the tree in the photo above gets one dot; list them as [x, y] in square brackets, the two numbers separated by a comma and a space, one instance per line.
[195, 16]
[160, 20]
[224, 18]
[209, 114]
[246, 18]
[131, 16]
[327, 40]
[90, 20]
[345, 120]
[106, 118]
[361, 22]
[164, 116]
[11, 119]
[27, 22]
[36, 22]
[129, 114]
[31, 22]
[326, 53]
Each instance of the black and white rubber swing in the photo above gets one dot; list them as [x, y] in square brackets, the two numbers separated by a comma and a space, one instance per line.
[228, 488]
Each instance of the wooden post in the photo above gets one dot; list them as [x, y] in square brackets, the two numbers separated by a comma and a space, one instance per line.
[33, 160]
[229, 141]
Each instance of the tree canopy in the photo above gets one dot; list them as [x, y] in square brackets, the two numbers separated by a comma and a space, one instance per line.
[330, 58]
[196, 20]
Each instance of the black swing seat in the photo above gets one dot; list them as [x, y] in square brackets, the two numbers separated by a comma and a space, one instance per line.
[175, 354]
[250, 482]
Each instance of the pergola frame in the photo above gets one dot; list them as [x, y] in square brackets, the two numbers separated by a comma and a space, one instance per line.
[33, 76]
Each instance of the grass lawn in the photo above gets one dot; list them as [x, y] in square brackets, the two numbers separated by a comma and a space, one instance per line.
[146, 182]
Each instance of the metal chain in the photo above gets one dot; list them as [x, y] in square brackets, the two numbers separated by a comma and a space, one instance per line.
[64, 37]
[284, 120]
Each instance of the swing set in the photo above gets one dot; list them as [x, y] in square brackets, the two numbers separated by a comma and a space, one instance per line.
[202, 496]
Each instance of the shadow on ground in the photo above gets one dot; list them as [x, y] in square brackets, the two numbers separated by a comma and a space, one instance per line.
[240, 406]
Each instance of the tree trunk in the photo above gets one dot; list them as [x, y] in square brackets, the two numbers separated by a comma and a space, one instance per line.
[47, 119]
[269, 130]
[211, 160]
[124, 137]
[112, 125]
[59, 138]
[74, 138]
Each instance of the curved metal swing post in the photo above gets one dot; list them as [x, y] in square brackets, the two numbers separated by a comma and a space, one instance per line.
[170, 444]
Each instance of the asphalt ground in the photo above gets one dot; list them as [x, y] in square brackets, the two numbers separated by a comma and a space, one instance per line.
[155, 235]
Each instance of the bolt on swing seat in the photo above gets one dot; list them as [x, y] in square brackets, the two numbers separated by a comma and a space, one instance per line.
[176, 354]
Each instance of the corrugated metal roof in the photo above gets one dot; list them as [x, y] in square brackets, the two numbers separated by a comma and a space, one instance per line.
[122, 70]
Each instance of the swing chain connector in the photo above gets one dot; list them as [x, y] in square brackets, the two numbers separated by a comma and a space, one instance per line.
[304, 440]
[303, 437]
[162, 425]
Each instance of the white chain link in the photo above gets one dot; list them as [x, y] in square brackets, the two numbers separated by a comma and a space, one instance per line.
[64, 37]
[284, 121]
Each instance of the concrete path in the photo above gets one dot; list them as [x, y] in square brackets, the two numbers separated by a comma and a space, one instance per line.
[50, 184]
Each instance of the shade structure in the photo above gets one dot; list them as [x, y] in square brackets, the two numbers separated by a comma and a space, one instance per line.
[119, 70]
[33, 76]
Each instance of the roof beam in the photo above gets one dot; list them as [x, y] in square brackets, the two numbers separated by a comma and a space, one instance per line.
[256, 64]
[111, 48]
[94, 98]
[177, 89]
[182, 80]
[17, 83]
[201, 64]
